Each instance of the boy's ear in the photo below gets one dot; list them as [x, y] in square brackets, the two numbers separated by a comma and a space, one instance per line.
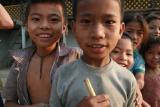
[74, 27]
[122, 29]
[64, 28]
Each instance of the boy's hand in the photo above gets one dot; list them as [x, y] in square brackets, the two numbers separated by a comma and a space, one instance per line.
[95, 101]
[40, 105]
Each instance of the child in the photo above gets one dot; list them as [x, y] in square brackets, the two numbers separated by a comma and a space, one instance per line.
[136, 26]
[151, 92]
[153, 20]
[5, 19]
[97, 28]
[123, 55]
[29, 80]
[123, 52]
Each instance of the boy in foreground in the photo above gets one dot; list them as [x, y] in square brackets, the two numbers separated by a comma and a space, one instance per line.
[97, 28]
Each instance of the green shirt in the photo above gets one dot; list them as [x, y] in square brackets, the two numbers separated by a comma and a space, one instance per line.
[68, 88]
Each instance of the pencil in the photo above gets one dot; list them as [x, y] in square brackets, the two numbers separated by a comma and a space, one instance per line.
[89, 87]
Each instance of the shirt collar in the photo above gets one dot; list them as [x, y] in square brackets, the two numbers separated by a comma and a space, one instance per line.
[22, 54]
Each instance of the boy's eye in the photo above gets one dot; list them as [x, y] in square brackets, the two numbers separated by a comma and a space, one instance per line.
[54, 20]
[110, 22]
[85, 21]
[129, 31]
[149, 52]
[129, 54]
[115, 51]
[35, 19]
[151, 27]
[140, 32]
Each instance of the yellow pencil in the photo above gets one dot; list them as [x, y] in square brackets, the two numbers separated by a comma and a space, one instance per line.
[89, 87]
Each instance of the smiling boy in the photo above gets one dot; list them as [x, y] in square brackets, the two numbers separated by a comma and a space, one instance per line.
[97, 28]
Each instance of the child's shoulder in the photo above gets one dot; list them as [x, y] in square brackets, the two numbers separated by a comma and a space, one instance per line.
[21, 53]
[68, 70]
[71, 51]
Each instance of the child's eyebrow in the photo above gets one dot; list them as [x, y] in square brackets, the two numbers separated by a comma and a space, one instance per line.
[110, 15]
[85, 14]
[50, 15]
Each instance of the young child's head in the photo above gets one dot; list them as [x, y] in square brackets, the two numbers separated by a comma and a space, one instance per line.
[151, 52]
[45, 21]
[153, 20]
[137, 27]
[97, 27]
[123, 52]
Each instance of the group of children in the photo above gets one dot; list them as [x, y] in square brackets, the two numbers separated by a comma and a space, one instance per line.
[50, 74]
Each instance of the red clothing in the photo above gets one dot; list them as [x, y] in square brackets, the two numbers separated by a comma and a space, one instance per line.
[151, 90]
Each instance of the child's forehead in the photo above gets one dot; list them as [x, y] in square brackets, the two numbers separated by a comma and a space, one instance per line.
[92, 6]
[155, 21]
[45, 4]
[51, 8]
[95, 2]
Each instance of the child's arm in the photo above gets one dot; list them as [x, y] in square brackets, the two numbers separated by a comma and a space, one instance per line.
[95, 101]
[145, 104]
[6, 21]
[140, 79]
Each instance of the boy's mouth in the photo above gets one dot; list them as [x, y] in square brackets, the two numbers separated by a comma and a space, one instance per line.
[97, 48]
[44, 35]
[97, 45]
[123, 64]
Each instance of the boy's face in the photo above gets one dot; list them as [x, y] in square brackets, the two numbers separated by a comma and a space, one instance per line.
[45, 24]
[123, 53]
[154, 27]
[152, 57]
[98, 27]
[135, 30]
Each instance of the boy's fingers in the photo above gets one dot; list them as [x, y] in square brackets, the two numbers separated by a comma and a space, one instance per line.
[102, 98]
[105, 104]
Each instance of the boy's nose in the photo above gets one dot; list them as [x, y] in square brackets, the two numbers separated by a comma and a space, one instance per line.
[44, 24]
[124, 56]
[134, 36]
[156, 56]
[157, 30]
[98, 31]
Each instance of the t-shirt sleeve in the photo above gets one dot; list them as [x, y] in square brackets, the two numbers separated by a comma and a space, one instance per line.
[132, 95]
[10, 89]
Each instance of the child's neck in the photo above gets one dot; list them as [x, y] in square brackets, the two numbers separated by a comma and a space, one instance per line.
[155, 70]
[45, 51]
[96, 62]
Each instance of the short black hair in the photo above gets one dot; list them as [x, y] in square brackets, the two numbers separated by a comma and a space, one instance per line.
[152, 16]
[75, 5]
[126, 35]
[32, 2]
[152, 41]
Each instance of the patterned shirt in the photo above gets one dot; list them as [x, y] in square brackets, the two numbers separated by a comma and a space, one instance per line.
[16, 85]
[151, 90]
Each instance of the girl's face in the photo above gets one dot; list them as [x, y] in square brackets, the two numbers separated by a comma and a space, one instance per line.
[152, 57]
[123, 53]
[154, 27]
[45, 24]
[136, 31]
